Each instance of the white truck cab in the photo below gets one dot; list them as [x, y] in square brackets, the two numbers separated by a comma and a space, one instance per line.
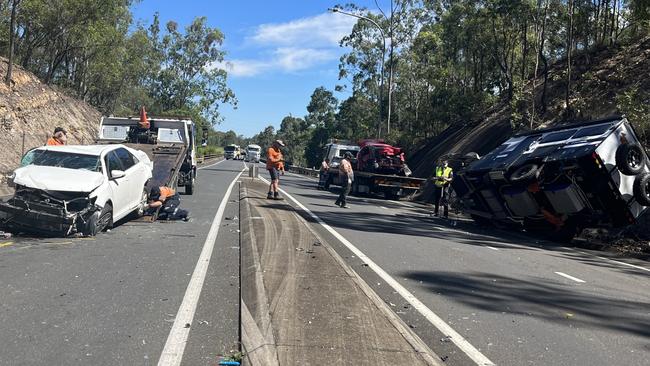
[334, 151]
[253, 153]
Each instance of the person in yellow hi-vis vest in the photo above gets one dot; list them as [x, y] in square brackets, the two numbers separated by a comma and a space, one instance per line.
[442, 179]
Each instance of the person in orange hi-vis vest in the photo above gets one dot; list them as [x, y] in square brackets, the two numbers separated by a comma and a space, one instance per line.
[59, 137]
[275, 166]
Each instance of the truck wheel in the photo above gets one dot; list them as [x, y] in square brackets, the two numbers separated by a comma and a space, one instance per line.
[189, 188]
[630, 159]
[642, 189]
[525, 174]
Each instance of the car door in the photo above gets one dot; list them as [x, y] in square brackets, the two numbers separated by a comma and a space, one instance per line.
[120, 187]
[135, 174]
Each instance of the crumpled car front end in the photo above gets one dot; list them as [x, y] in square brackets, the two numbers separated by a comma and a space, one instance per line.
[51, 213]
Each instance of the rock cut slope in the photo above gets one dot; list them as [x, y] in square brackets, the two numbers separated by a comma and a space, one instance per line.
[29, 112]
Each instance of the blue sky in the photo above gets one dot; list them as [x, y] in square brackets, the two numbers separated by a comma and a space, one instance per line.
[278, 52]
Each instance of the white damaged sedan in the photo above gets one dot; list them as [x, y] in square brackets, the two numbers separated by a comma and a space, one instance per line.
[63, 190]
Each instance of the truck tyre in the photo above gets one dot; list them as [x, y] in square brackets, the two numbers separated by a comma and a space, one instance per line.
[630, 159]
[525, 174]
[642, 189]
[189, 188]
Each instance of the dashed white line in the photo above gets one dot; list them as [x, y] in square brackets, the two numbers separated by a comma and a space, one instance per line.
[172, 353]
[493, 248]
[471, 351]
[570, 277]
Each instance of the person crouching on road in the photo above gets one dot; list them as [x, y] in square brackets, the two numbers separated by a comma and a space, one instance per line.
[275, 166]
[59, 137]
[324, 169]
[347, 175]
[443, 177]
[168, 201]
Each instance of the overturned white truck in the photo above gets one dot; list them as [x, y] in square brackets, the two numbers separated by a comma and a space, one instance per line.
[561, 180]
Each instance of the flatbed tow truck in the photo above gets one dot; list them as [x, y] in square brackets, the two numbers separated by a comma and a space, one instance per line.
[169, 143]
[376, 173]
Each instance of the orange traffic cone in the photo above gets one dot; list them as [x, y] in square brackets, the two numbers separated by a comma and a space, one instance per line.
[144, 123]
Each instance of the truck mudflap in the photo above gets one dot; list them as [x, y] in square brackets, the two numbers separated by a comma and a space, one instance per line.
[44, 218]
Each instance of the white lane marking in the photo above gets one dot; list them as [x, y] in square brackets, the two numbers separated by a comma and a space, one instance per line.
[569, 277]
[211, 165]
[172, 353]
[615, 261]
[385, 208]
[493, 248]
[434, 319]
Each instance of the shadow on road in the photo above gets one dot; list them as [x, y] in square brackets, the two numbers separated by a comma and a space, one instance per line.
[540, 299]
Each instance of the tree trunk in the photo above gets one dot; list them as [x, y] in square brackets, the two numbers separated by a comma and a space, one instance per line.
[12, 41]
[569, 52]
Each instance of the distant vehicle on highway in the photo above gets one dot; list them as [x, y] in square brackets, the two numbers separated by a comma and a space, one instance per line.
[232, 152]
[253, 153]
[561, 180]
[63, 190]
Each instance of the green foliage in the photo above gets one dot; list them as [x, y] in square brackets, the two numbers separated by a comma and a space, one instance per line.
[209, 150]
[635, 105]
[93, 50]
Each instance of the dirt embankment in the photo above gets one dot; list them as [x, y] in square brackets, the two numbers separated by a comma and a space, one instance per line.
[29, 112]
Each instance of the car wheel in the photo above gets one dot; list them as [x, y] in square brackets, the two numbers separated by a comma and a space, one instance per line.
[525, 174]
[642, 189]
[630, 159]
[139, 212]
[105, 218]
[99, 221]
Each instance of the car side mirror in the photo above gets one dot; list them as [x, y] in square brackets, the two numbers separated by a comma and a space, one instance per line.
[116, 174]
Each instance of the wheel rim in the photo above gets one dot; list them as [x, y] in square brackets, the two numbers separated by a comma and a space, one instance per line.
[104, 220]
[143, 202]
[634, 159]
[647, 190]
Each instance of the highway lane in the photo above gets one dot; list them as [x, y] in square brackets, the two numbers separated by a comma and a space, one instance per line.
[516, 299]
[112, 299]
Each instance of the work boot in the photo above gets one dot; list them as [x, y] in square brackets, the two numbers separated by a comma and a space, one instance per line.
[269, 196]
[276, 196]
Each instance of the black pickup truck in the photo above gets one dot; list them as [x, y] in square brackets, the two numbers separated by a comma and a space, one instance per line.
[560, 180]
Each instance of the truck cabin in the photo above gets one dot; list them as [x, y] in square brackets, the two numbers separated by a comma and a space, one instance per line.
[335, 152]
[160, 132]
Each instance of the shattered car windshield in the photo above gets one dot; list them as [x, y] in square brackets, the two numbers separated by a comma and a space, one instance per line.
[61, 159]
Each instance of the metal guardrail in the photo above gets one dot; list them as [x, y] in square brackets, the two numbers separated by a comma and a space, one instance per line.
[304, 171]
[203, 158]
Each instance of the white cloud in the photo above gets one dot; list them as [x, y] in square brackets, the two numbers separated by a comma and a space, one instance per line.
[293, 46]
[286, 59]
[243, 68]
[295, 59]
[324, 30]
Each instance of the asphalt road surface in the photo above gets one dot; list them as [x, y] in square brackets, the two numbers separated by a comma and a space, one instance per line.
[113, 299]
[506, 298]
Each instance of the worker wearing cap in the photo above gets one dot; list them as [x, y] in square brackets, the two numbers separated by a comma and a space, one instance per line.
[275, 166]
[442, 179]
[347, 177]
[59, 137]
[168, 201]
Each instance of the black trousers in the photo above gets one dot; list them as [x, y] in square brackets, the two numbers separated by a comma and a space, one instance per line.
[345, 190]
[170, 209]
[441, 198]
